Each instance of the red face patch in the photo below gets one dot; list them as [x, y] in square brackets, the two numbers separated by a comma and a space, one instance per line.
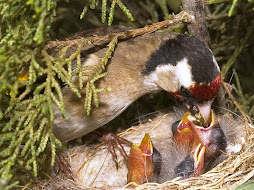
[206, 92]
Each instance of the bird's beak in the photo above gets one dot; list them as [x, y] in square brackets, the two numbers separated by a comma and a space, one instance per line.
[146, 145]
[140, 164]
[205, 111]
[185, 125]
[184, 134]
[199, 160]
[203, 134]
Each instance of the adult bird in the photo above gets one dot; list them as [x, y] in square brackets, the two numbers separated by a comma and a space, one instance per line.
[177, 63]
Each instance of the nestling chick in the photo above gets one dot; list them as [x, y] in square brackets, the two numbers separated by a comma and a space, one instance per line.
[200, 148]
[193, 164]
[177, 63]
[211, 137]
[144, 162]
[190, 132]
[179, 161]
[193, 153]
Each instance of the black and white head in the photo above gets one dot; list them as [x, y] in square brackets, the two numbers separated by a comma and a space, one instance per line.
[185, 67]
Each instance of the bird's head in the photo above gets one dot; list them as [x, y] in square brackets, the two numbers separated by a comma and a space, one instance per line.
[182, 132]
[185, 67]
[192, 165]
[212, 137]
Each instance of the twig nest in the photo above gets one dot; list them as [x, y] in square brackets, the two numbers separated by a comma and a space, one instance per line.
[93, 167]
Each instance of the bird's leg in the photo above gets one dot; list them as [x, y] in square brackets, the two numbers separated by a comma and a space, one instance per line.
[63, 166]
[113, 152]
[113, 141]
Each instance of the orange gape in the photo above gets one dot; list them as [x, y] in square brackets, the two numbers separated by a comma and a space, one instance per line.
[140, 163]
[184, 135]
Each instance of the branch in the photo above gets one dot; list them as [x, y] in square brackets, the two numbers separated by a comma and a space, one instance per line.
[179, 18]
[245, 116]
[198, 27]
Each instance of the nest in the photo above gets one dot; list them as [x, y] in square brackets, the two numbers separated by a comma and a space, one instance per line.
[232, 172]
[92, 166]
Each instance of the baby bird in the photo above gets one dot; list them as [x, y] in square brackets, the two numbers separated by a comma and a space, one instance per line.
[179, 161]
[212, 137]
[193, 164]
[144, 163]
[190, 131]
[179, 64]
[199, 147]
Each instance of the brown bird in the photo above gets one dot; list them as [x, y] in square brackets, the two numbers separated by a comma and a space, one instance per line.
[179, 64]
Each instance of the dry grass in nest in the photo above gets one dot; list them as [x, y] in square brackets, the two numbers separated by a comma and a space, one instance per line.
[232, 172]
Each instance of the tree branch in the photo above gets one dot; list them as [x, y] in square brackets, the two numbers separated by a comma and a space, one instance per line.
[245, 116]
[198, 26]
[179, 18]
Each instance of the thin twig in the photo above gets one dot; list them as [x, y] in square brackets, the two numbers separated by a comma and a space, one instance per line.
[26, 186]
[179, 18]
[245, 116]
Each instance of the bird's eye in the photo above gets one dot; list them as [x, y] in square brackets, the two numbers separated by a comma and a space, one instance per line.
[185, 92]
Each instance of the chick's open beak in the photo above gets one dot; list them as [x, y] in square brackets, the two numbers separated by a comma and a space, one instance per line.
[140, 164]
[184, 134]
[203, 134]
[146, 145]
[184, 125]
[199, 160]
[202, 139]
